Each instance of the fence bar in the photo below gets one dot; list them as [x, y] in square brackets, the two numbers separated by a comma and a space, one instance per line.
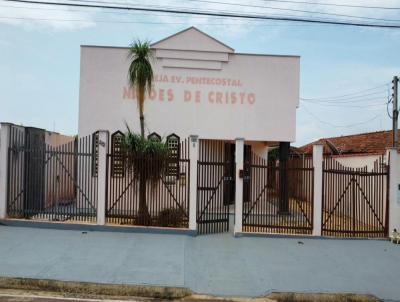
[239, 152]
[193, 156]
[4, 142]
[394, 205]
[102, 177]
[317, 208]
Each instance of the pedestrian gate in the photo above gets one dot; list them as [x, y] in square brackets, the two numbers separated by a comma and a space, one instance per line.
[215, 186]
[355, 200]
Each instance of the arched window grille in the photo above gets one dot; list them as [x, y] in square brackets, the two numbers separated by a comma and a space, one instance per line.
[173, 143]
[118, 159]
[154, 136]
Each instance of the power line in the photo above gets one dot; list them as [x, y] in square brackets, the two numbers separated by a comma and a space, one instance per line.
[234, 12]
[339, 126]
[333, 4]
[293, 10]
[214, 14]
[346, 99]
[273, 23]
[367, 105]
[122, 22]
[349, 94]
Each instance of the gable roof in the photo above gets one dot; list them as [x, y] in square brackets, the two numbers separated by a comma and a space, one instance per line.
[358, 144]
[192, 39]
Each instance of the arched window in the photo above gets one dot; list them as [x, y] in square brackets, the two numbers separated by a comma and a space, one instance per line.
[173, 143]
[117, 155]
[154, 136]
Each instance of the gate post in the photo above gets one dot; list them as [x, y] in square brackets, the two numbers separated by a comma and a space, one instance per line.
[193, 157]
[239, 153]
[4, 144]
[317, 164]
[394, 204]
[102, 177]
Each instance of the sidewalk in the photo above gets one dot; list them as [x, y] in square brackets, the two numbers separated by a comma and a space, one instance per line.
[213, 264]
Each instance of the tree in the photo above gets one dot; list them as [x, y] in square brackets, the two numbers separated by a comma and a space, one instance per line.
[140, 75]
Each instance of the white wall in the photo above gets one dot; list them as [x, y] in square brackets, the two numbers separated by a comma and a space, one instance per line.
[358, 161]
[269, 86]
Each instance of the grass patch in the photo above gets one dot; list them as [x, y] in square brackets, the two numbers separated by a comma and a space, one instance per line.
[297, 297]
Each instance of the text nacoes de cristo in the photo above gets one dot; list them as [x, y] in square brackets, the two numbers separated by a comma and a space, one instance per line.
[222, 95]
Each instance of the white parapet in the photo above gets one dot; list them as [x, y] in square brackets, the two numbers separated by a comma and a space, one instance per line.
[102, 177]
[394, 201]
[239, 153]
[317, 164]
[193, 156]
[4, 144]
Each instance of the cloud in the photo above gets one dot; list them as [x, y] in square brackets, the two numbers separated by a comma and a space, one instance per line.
[65, 18]
[44, 17]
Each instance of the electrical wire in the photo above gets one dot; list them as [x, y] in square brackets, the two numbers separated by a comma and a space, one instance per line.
[332, 4]
[339, 126]
[350, 94]
[290, 9]
[215, 14]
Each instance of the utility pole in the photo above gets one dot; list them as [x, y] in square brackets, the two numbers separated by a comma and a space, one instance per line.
[395, 111]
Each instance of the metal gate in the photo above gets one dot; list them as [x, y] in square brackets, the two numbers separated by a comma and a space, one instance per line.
[267, 210]
[355, 200]
[148, 191]
[45, 182]
[214, 186]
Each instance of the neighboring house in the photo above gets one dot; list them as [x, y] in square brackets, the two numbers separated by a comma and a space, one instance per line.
[357, 150]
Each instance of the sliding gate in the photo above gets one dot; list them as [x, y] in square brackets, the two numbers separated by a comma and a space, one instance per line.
[355, 200]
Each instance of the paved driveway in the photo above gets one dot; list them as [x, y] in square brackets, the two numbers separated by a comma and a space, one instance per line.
[211, 264]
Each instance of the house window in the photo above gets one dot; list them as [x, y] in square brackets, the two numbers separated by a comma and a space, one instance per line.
[117, 155]
[95, 154]
[173, 143]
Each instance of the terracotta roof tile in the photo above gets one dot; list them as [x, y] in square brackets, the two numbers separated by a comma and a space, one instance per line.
[364, 143]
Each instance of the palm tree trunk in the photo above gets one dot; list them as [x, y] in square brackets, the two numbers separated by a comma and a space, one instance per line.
[141, 110]
[144, 216]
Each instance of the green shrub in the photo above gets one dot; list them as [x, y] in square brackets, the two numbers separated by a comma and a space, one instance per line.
[146, 157]
[170, 218]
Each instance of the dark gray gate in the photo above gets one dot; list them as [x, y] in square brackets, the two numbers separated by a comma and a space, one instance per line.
[34, 168]
[55, 183]
[214, 187]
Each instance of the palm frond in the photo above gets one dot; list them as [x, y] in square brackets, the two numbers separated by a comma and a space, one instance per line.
[140, 73]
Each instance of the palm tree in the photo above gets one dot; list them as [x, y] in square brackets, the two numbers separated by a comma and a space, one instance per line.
[140, 75]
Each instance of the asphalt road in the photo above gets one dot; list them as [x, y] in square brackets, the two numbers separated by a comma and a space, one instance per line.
[23, 298]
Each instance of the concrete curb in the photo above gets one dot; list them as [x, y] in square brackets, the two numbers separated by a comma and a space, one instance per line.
[94, 227]
[86, 288]
[299, 236]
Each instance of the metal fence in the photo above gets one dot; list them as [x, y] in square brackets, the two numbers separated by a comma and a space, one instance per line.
[215, 186]
[148, 191]
[53, 183]
[355, 200]
[268, 210]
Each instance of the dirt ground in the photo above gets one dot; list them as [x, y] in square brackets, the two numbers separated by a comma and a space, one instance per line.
[14, 295]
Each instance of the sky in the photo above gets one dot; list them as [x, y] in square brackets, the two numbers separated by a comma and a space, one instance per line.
[345, 78]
